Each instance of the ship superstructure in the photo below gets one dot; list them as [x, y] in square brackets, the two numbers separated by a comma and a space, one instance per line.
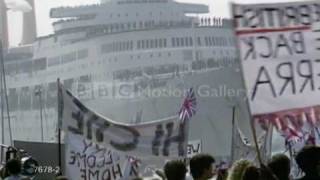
[131, 60]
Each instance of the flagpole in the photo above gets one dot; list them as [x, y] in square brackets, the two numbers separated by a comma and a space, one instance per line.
[59, 128]
[233, 130]
[2, 110]
[4, 90]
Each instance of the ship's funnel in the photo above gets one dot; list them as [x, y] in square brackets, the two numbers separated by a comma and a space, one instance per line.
[18, 5]
[4, 25]
[29, 31]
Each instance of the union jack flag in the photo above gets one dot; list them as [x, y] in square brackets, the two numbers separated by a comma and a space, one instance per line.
[189, 106]
[292, 134]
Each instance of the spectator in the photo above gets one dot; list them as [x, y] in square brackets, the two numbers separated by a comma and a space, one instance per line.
[13, 167]
[238, 169]
[222, 174]
[308, 160]
[267, 174]
[280, 166]
[202, 167]
[251, 173]
[175, 170]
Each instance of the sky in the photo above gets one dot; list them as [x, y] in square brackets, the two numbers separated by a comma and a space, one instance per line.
[218, 8]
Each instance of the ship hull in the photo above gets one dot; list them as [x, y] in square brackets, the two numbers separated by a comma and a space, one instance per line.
[217, 92]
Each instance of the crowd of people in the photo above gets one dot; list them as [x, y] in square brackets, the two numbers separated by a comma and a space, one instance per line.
[277, 168]
[202, 167]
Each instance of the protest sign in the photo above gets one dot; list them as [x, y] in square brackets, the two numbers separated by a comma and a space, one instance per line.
[162, 138]
[279, 51]
[194, 148]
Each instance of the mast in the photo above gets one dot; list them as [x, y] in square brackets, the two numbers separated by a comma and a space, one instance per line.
[39, 93]
[4, 92]
[2, 111]
[233, 133]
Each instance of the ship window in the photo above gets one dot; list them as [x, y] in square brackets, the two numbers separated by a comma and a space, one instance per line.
[151, 43]
[83, 53]
[216, 41]
[182, 41]
[210, 41]
[134, 25]
[120, 46]
[25, 98]
[156, 43]
[112, 46]
[25, 67]
[212, 63]
[131, 45]
[85, 78]
[142, 44]
[232, 41]
[224, 41]
[54, 61]
[220, 41]
[173, 41]
[124, 46]
[178, 41]
[111, 28]
[213, 41]
[199, 41]
[147, 44]
[206, 41]
[51, 100]
[160, 43]
[117, 46]
[13, 96]
[138, 44]
[69, 57]
[165, 42]
[37, 94]
[190, 41]
[116, 27]
[39, 64]
[11, 69]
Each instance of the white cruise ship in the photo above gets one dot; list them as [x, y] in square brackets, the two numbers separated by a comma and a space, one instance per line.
[130, 60]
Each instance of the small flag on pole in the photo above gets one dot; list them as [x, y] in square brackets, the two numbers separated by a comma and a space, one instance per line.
[189, 106]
